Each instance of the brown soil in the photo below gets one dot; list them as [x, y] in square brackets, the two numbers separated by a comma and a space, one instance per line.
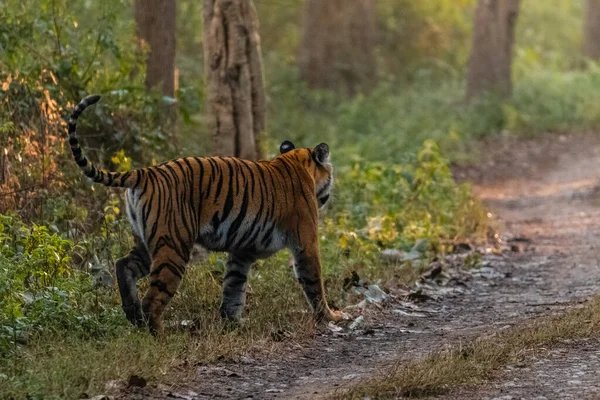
[547, 189]
[544, 192]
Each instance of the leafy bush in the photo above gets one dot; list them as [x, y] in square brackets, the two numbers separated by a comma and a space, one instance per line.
[52, 54]
[380, 205]
[40, 291]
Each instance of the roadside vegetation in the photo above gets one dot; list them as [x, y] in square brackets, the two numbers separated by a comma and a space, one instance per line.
[62, 332]
[476, 361]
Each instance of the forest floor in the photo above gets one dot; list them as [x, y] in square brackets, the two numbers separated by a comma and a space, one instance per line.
[546, 195]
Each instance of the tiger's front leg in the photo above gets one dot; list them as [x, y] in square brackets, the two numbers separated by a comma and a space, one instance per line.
[234, 286]
[307, 267]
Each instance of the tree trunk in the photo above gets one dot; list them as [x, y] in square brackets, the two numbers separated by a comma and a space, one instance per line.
[155, 20]
[233, 68]
[591, 29]
[337, 46]
[156, 28]
[490, 63]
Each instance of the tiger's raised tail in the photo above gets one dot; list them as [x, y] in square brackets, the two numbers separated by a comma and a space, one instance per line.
[116, 179]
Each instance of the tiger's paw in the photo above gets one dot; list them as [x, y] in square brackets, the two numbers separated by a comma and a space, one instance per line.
[135, 315]
[232, 325]
[155, 326]
[336, 316]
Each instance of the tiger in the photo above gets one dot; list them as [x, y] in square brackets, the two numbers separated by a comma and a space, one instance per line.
[251, 210]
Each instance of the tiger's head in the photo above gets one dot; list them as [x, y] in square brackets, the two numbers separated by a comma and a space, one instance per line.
[317, 160]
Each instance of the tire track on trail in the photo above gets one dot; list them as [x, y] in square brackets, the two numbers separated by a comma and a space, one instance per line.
[544, 189]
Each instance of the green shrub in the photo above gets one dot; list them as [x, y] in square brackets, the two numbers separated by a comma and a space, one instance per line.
[41, 292]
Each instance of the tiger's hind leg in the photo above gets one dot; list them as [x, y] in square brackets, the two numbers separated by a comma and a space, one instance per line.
[307, 267]
[168, 267]
[130, 269]
[234, 286]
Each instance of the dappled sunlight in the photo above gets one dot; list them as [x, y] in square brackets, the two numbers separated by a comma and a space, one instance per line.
[528, 189]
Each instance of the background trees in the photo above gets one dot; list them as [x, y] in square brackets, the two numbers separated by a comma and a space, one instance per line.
[156, 29]
[591, 29]
[233, 68]
[156, 32]
[338, 44]
[490, 64]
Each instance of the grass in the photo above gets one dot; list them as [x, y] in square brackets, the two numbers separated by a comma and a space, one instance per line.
[65, 365]
[478, 360]
[62, 364]
[60, 360]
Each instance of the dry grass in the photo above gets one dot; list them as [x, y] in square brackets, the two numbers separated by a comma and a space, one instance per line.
[476, 361]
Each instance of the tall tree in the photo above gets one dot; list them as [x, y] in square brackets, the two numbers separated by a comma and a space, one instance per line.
[490, 63]
[337, 48]
[233, 67]
[591, 29]
[156, 23]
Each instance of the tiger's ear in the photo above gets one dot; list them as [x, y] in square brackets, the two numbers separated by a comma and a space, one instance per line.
[286, 146]
[321, 153]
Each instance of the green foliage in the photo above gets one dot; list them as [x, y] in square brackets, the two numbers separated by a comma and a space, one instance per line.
[436, 37]
[380, 205]
[52, 53]
[40, 291]
[540, 45]
[390, 124]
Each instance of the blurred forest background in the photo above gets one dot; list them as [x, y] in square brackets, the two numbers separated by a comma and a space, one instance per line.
[397, 88]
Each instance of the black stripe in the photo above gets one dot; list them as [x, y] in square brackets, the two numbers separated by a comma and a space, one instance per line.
[199, 188]
[212, 177]
[267, 238]
[237, 174]
[124, 177]
[307, 281]
[220, 185]
[138, 179]
[170, 267]
[229, 200]
[288, 170]
[251, 174]
[92, 172]
[162, 287]
[283, 184]
[232, 273]
[215, 222]
[238, 221]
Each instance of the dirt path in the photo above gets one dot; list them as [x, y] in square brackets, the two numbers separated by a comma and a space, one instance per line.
[543, 190]
[549, 191]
